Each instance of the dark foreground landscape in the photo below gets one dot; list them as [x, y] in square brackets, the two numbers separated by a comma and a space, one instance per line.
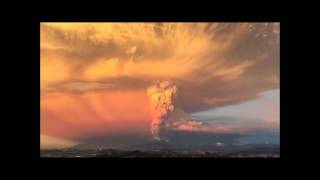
[252, 152]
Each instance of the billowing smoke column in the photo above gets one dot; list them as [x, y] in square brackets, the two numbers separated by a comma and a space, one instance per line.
[162, 96]
[167, 117]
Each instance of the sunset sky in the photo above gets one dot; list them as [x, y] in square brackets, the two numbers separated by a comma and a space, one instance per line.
[94, 77]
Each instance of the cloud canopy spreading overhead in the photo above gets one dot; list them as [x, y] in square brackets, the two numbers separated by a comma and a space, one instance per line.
[98, 70]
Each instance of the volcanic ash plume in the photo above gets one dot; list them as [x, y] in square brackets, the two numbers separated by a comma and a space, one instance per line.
[166, 116]
[162, 96]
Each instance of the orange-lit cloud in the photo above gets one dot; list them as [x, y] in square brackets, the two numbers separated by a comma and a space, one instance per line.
[100, 113]
[94, 76]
